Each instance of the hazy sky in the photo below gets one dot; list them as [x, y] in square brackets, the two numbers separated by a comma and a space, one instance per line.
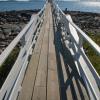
[58, 0]
[39, 0]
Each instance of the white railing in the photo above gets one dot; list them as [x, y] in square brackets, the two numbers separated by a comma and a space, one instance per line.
[27, 37]
[74, 38]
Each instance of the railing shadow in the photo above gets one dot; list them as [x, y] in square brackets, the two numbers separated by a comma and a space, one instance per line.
[71, 71]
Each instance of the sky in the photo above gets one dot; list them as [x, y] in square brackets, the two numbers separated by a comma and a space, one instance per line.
[58, 0]
[39, 0]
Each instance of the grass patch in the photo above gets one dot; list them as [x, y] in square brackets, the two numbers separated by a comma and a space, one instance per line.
[7, 65]
[95, 37]
[92, 55]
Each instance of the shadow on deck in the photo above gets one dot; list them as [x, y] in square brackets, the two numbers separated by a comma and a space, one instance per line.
[70, 83]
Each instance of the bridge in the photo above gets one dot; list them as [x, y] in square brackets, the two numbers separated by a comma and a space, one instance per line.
[51, 64]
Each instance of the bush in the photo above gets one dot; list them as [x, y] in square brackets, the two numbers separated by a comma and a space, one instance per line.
[94, 58]
[7, 65]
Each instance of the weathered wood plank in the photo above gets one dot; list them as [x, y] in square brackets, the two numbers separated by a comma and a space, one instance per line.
[40, 93]
[52, 82]
[51, 74]
[41, 79]
[28, 82]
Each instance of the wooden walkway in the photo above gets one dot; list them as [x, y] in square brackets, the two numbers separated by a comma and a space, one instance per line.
[51, 74]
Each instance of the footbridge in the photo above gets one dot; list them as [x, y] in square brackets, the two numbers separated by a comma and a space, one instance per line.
[51, 64]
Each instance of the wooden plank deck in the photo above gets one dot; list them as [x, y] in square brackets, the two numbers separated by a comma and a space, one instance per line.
[51, 74]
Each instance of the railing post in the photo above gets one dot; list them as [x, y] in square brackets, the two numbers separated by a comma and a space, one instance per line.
[80, 40]
[22, 41]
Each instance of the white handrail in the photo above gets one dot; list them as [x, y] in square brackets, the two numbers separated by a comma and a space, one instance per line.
[86, 37]
[22, 60]
[87, 72]
[11, 46]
